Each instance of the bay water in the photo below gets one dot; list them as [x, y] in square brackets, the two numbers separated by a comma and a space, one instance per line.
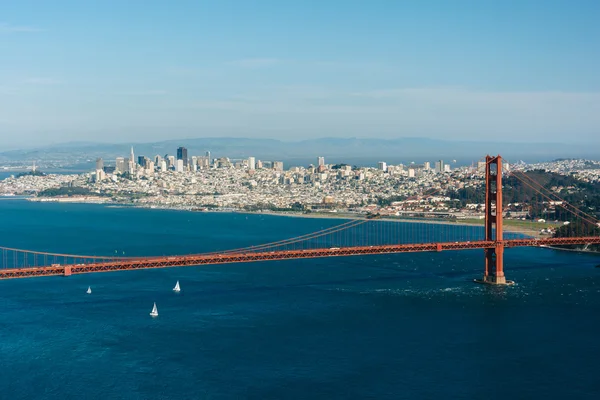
[405, 326]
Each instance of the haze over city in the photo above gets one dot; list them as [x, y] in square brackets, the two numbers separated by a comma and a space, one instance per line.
[126, 72]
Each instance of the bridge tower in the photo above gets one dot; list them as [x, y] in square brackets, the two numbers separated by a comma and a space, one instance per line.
[494, 256]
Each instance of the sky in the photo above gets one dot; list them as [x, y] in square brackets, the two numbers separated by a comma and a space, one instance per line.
[137, 71]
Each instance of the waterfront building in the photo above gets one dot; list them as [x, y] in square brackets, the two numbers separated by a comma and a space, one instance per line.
[439, 166]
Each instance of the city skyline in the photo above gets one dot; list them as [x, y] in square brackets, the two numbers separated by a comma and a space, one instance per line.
[461, 71]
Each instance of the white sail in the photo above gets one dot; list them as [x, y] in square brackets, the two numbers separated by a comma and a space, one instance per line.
[89, 290]
[177, 288]
[154, 311]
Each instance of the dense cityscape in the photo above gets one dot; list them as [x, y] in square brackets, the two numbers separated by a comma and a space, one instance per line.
[430, 190]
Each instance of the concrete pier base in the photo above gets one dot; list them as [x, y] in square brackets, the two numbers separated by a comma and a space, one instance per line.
[494, 280]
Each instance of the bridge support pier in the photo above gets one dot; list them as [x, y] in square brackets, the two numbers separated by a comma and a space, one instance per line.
[494, 256]
[67, 270]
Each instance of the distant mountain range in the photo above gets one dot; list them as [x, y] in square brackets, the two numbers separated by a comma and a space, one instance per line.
[351, 150]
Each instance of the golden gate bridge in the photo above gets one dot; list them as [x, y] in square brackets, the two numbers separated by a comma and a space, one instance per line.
[351, 238]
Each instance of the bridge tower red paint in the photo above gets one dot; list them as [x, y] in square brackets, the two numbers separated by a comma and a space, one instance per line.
[494, 256]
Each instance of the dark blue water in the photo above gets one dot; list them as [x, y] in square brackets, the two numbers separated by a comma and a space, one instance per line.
[4, 174]
[408, 326]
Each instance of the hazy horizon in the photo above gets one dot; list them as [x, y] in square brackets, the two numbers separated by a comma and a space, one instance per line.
[464, 70]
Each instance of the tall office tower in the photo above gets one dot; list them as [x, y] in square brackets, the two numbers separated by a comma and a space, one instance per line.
[321, 161]
[142, 161]
[439, 166]
[251, 163]
[259, 164]
[209, 159]
[278, 165]
[99, 163]
[157, 159]
[131, 156]
[179, 166]
[382, 166]
[120, 164]
[426, 165]
[182, 155]
[163, 165]
[171, 163]
[446, 167]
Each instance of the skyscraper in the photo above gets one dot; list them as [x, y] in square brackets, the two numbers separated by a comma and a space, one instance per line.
[179, 166]
[382, 165]
[99, 163]
[278, 165]
[321, 161]
[120, 165]
[251, 163]
[182, 155]
[209, 159]
[131, 156]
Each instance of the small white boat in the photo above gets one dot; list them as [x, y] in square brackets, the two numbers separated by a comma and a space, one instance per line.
[177, 288]
[89, 291]
[154, 311]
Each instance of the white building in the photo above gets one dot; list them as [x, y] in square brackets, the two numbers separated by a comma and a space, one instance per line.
[439, 166]
[321, 161]
[179, 166]
[382, 166]
[251, 163]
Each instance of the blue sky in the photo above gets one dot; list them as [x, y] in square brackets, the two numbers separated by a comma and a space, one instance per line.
[119, 71]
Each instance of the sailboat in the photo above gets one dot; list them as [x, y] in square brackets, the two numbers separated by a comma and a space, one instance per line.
[154, 311]
[89, 291]
[177, 288]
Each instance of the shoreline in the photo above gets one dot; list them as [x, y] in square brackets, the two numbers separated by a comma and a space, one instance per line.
[534, 232]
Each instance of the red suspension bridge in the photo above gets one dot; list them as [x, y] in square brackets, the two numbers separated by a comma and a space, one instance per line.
[354, 237]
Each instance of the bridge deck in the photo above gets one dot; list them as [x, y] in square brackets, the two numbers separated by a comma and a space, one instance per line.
[225, 258]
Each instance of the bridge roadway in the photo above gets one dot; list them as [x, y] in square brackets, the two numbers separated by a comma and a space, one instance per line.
[225, 258]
